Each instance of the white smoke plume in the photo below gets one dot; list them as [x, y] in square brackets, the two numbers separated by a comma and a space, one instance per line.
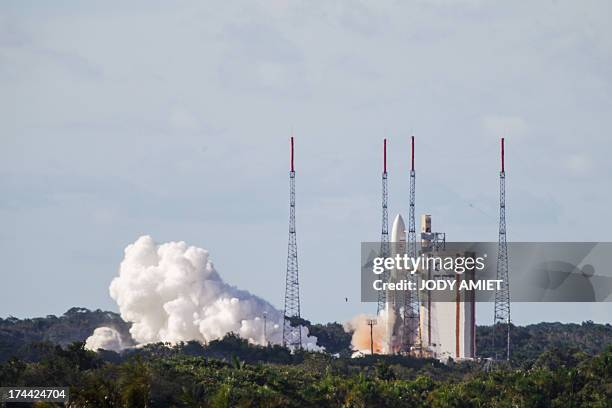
[105, 338]
[172, 293]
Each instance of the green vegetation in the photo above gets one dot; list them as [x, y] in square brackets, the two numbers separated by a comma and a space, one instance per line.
[331, 336]
[554, 365]
[160, 376]
[17, 335]
[528, 342]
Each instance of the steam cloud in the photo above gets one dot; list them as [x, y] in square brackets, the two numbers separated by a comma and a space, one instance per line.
[105, 338]
[172, 293]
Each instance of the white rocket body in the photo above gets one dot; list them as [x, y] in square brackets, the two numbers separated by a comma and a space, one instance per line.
[392, 308]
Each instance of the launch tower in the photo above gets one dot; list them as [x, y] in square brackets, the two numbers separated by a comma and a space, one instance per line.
[501, 322]
[411, 333]
[292, 333]
[384, 238]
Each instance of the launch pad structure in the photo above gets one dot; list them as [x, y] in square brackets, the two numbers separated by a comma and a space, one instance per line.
[423, 328]
[413, 326]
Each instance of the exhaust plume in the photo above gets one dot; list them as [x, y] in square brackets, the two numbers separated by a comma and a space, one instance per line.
[360, 342]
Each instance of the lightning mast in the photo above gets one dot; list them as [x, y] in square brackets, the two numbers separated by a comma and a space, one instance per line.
[411, 334]
[292, 333]
[501, 321]
[384, 239]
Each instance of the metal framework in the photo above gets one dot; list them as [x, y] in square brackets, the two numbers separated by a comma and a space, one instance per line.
[371, 323]
[292, 333]
[411, 333]
[501, 321]
[384, 238]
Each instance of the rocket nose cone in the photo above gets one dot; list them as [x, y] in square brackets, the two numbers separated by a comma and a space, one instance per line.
[398, 223]
[398, 232]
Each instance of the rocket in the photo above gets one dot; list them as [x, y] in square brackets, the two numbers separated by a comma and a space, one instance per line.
[398, 241]
[394, 319]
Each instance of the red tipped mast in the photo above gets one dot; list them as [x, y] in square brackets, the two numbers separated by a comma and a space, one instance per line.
[412, 153]
[385, 156]
[292, 170]
[502, 155]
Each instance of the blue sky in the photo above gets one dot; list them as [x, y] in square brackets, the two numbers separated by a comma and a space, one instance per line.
[172, 119]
